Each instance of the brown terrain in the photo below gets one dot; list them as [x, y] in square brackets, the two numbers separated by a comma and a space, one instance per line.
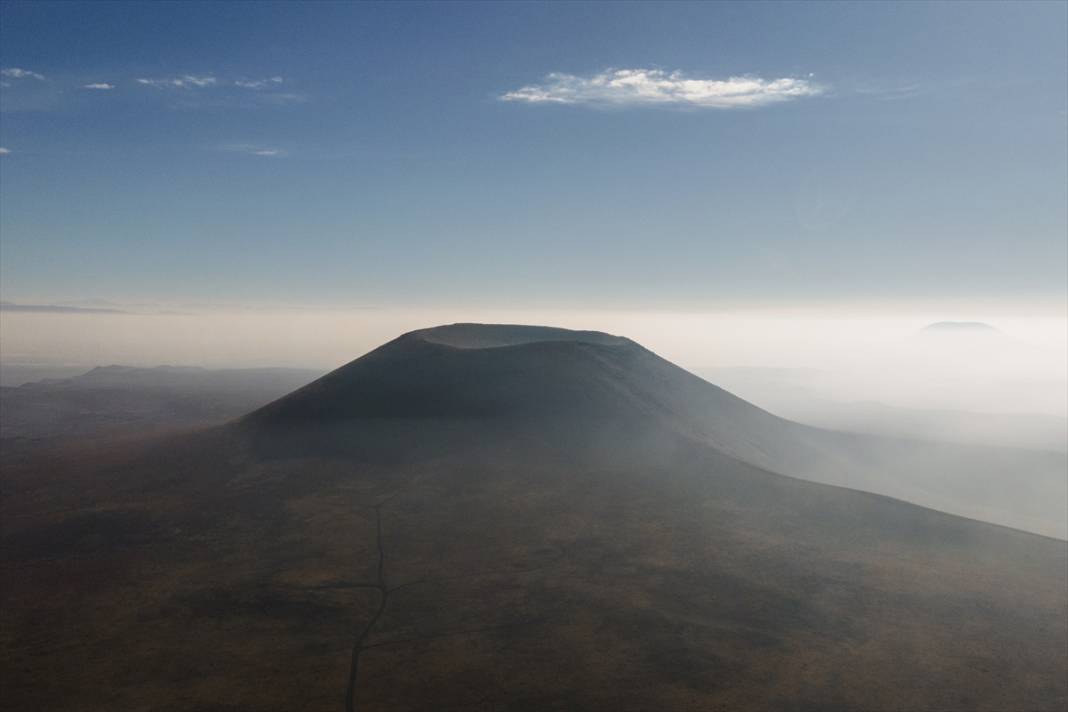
[515, 518]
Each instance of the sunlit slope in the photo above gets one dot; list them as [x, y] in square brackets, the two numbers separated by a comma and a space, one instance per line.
[560, 378]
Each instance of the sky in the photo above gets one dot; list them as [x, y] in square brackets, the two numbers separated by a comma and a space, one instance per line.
[797, 186]
[658, 156]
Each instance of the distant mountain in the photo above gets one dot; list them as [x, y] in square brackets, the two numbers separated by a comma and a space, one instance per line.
[56, 309]
[501, 517]
[16, 374]
[112, 398]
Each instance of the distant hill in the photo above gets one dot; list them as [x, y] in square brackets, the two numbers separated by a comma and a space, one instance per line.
[482, 517]
[56, 309]
[111, 398]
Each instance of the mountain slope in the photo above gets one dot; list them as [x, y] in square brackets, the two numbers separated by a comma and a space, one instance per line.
[406, 535]
[495, 372]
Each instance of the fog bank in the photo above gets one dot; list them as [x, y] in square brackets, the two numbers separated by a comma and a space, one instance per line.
[841, 356]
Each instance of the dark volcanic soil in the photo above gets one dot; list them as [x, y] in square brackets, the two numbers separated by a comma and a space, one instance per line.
[544, 531]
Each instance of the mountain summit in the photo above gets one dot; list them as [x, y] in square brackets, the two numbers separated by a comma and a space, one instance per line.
[470, 370]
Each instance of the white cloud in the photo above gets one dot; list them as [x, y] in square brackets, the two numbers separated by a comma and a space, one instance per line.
[17, 73]
[258, 83]
[183, 82]
[4, 151]
[655, 87]
[98, 85]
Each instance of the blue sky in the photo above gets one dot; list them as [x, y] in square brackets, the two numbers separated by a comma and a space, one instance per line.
[342, 154]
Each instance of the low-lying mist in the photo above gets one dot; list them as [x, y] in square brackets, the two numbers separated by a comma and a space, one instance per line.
[799, 364]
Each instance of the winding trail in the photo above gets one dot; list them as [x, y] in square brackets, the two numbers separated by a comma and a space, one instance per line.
[379, 585]
[383, 600]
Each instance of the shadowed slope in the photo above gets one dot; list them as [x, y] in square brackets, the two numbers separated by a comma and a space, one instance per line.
[491, 372]
[419, 375]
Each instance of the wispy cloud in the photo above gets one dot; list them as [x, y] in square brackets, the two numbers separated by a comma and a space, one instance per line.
[4, 151]
[104, 86]
[226, 91]
[254, 150]
[277, 98]
[185, 81]
[890, 92]
[18, 73]
[56, 309]
[258, 83]
[656, 87]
